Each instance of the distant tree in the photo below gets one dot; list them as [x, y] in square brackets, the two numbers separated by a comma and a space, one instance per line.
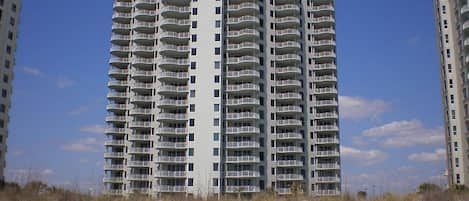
[428, 187]
[361, 195]
[459, 188]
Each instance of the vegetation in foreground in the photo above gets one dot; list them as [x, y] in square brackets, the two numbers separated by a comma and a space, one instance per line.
[37, 191]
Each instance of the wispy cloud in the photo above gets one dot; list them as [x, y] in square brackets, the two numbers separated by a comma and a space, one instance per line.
[357, 108]
[79, 110]
[94, 129]
[414, 40]
[403, 134]
[64, 82]
[436, 156]
[84, 145]
[33, 71]
[363, 157]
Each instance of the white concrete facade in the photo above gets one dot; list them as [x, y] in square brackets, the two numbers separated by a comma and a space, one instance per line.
[452, 19]
[9, 19]
[211, 97]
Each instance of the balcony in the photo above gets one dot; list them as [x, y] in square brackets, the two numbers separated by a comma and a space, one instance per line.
[171, 117]
[117, 72]
[114, 143]
[290, 177]
[174, 37]
[289, 109]
[142, 37]
[246, 47]
[244, 21]
[242, 174]
[288, 58]
[326, 179]
[287, 47]
[287, 22]
[143, 62]
[326, 115]
[139, 150]
[117, 61]
[327, 141]
[242, 189]
[113, 192]
[121, 17]
[174, 50]
[120, 39]
[113, 179]
[173, 64]
[143, 26]
[290, 149]
[143, 49]
[325, 91]
[325, 128]
[327, 192]
[326, 103]
[117, 95]
[170, 159]
[288, 71]
[244, 74]
[287, 34]
[326, 66]
[148, 4]
[170, 189]
[242, 116]
[113, 167]
[289, 136]
[325, 19]
[323, 9]
[122, 29]
[142, 190]
[465, 10]
[171, 131]
[247, 87]
[115, 131]
[324, 31]
[168, 76]
[138, 177]
[136, 137]
[140, 111]
[288, 84]
[122, 6]
[175, 11]
[243, 145]
[171, 89]
[327, 166]
[117, 84]
[327, 154]
[175, 24]
[243, 35]
[159, 173]
[138, 164]
[113, 154]
[140, 124]
[289, 122]
[287, 9]
[171, 145]
[143, 74]
[120, 51]
[142, 86]
[116, 107]
[115, 119]
[242, 159]
[141, 14]
[289, 96]
[141, 99]
[243, 61]
[242, 130]
[326, 43]
[325, 78]
[243, 102]
[243, 8]
[289, 163]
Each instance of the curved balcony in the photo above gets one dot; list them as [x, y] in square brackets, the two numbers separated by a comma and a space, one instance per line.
[171, 90]
[244, 35]
[289, 163]
[118, 61]
[177, 77]
[287, 9]
[246, 47]
[287, 47]
[170, 189]
[326, 103]
[143, 26]
[142, 14]
[135, 137]
[141, 99]
[114, 167]
[325, 66]
[115, 119]
[323, 56]
[242, 130]
[288, 34]
[326, 115]
[116, 107]
[120, 39]
[289, 177]
[465, 11]
[140, 112]
[289, 150]
[242, 159]
[325, 78]
[163, 174]
[139, 150]
[328, 90]
[144, 190]
[117, 72]
[242, 174]
[327, 154]
[142, 86]
[288, 84]
[170, 159]
[138, 177]
[289, 109]
[245, 21]
[174, 37]
[140, 124]
[119, 28]
[114, 143]
[243, 145]
[327, 141]
[175, 24]
[323, 31]
[242, 116]
[288, 71]
[175, 11]
[243, 75]
[122, 6]
[242, 189]
[143, 62]
[331, 179]
[117, 95]
[173, 50]
[323, 9]
[240, 88]
[114, 155]
[171, 117]
[327, 166]
[171, 145]
[143, 74]
[171, 131]
[113, 179]
[288, 58]
[144, 50]
[121, 17]
[173, 64]
[171, 103]
[138, 163]
[243, 61]
[325, 19]
[142, 38]
[243, 102]
[289, 96]
[324, 43]
[288, 22]
[115, 131]
[289, 123]
[145, 4]
[117, 84]
[289, 136]
[243, 8]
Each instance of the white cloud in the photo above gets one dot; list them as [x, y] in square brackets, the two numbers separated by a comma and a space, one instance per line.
[33, 71]
[78, 111]
[360, 108]
[64, 82]
[364, 157]
[404, 134]
[47, 172]
[436, 156]
[84, 145]
[95, 129]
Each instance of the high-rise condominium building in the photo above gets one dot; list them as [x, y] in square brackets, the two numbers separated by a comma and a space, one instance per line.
[9, 14]
[211, 97]
[452, 19]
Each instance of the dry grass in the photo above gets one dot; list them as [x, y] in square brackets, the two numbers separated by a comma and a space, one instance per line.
[36, 191]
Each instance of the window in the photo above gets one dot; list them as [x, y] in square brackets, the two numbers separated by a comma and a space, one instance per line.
[191, 152]
[194, 38]
[215, 182]
[444, 9]
[445, 23]
[190, 182]
[12, 21]
[455, 146]
[192, 93]
[194, 51]
[216, 151]
[191, 122]
[217, 79]
[192, 107]
[216, 107]
[7, 64]
[2, 108]
[4, 93]
[190, 167]
[448, 53]
[217, 64]
[2, 123]
[217, 23]
[14, 8]
[216, 137]
[194, 24]
[452, 99]
[192, 79]
[217, 37]
[456, 162]
[216, 93]
[217, 51]
[215, 167]
[450, 68]
[453, 114]
[191, 137]
[217, 10]
[193, 65]
[10, 35]
[8, 49]
[5, 78]
[194, 11]
[216, 122]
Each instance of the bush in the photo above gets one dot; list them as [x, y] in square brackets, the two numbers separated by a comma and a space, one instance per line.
[428, 187]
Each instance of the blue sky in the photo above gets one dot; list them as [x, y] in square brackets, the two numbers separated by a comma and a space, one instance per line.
[389, 84]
